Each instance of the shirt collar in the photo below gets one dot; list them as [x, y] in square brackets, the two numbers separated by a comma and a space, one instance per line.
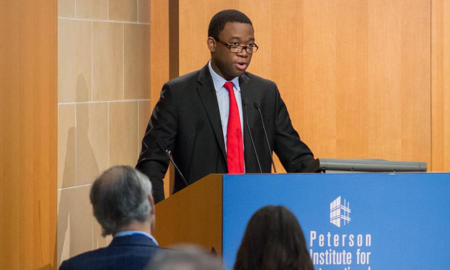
[127, 233]
[219, 81]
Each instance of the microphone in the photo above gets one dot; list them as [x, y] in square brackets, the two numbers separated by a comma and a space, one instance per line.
[168, 153]
[258, 107]
[245, 102]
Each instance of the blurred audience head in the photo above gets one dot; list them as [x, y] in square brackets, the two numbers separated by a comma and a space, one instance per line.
[273, 240]
[186, 257]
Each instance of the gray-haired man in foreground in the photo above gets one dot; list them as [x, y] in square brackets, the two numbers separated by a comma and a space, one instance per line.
[123, 205]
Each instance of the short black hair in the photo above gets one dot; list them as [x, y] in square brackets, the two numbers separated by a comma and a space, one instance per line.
[219, 20]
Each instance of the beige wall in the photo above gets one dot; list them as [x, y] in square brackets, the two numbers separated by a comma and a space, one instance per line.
[103, 105]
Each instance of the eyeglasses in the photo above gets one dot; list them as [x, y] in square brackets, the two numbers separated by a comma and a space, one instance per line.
[252, 48]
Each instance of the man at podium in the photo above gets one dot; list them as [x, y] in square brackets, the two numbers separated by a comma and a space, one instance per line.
[220, 119]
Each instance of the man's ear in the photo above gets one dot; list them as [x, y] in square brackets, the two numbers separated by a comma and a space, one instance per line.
[211, 44]
[152, 204]
[152, 213]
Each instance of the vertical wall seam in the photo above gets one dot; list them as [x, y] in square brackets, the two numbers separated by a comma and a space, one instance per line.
[123, 61]
[108, 136]
[431, 86]
[92, 60]
[75, 143]
[138, 122]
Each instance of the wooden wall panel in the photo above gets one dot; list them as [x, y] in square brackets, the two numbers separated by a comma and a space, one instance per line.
[440, 159]
[352, 84]
[29, 136]
[9, 100]
[399, 80]
[384, 55]
[315, 101]
[415, 88]
[159, 59]
[159, 47]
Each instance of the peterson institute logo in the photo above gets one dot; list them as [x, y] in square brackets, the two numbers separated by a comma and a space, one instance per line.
[339, 212]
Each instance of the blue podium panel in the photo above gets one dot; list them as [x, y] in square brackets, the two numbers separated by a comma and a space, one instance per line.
[351, 221]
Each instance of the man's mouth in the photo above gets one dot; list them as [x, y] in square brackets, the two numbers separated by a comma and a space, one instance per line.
[241, 66]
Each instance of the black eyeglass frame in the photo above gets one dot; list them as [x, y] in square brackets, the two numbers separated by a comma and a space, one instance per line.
[253, 47]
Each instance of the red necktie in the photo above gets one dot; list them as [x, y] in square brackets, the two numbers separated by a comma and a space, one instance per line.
[235, 148]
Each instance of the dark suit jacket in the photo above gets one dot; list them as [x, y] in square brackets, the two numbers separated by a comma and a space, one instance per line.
[186, 121]
[126, 252]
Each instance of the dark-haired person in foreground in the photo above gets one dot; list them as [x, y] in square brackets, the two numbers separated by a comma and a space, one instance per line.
[273, 240]
[204, 118]
[123, 205]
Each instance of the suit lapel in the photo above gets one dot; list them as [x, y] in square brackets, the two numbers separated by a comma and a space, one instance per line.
[208, 96]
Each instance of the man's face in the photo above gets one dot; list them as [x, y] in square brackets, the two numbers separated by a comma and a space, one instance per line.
[227, 64]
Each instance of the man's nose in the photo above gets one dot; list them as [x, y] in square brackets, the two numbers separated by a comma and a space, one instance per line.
[244, 52]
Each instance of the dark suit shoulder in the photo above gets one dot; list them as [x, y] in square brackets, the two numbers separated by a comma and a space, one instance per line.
[81, 259]
[128, 252]
[184, 80]
[257, 79]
